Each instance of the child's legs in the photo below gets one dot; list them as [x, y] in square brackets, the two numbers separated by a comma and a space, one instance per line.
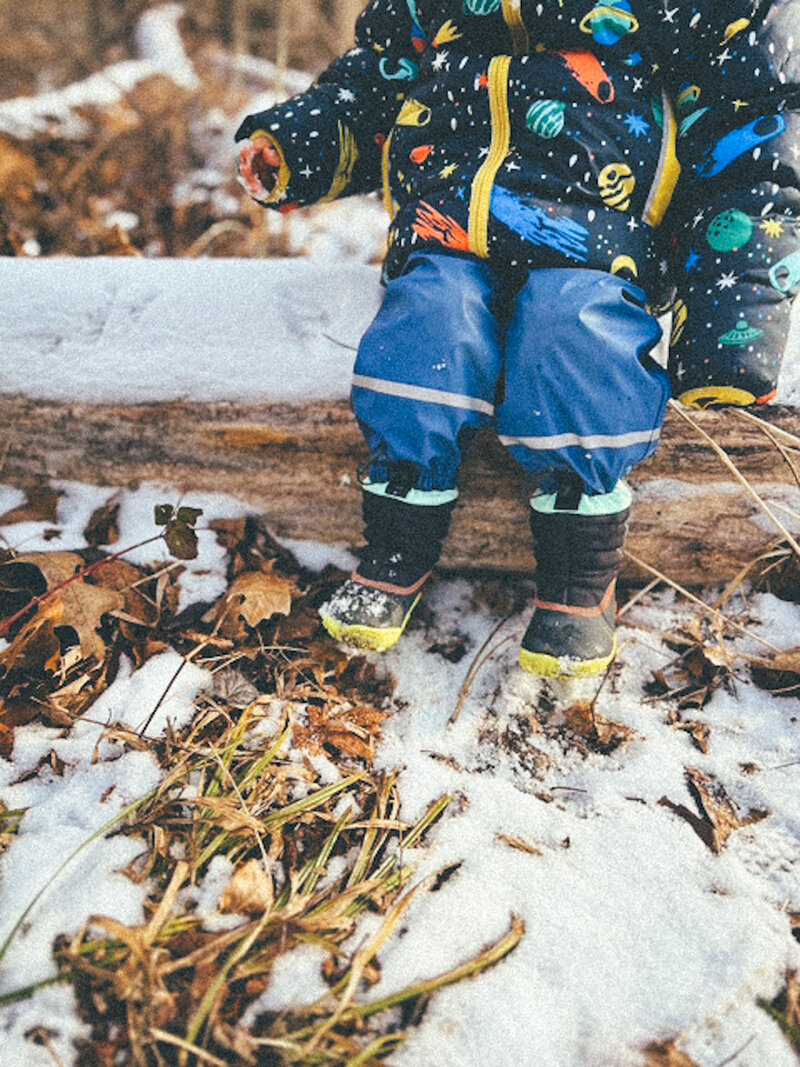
[583, 396]
[427, 369]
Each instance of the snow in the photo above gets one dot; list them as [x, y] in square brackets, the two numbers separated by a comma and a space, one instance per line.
[140, 330]
[158, 41]
[136, 330]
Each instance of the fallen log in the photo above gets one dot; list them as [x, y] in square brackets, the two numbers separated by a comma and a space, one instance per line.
[297, 466]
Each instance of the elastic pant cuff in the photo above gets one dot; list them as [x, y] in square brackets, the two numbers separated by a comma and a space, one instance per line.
[415, 497]
[619, 499]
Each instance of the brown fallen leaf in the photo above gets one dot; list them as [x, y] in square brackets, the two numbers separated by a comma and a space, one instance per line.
[779, 673]
[72, 604]
[35, 648]
[41, 505]
[249, 892]
[718, 807]
[666, 1054]
[123, 577]
[253, 597]
[103, 525]
[719, 816]
[602, 733]
[698, 731]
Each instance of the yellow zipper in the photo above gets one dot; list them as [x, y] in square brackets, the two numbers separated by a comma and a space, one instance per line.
[512, 13]
[481, 195]
[668, 171]
[388, 201]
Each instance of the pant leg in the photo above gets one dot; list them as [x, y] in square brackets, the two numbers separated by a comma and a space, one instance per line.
[427, 368]
[583, 398]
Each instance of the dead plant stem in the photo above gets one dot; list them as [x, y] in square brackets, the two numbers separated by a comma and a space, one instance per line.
[723, 455]
[713, 612]
[186, 1047]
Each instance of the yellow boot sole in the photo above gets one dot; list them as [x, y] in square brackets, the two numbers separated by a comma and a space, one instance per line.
[368, 638]
[562, 667]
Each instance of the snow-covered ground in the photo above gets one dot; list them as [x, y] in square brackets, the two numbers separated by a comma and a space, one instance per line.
[635, 930]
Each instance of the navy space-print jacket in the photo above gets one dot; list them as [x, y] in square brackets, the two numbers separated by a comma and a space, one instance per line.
[655, 140]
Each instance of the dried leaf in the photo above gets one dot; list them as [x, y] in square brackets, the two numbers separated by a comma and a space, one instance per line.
[719, 815]
[700, 669]
[786, 661]
[103, 525]
[779, 673]
[350, 730]
[76, 605]
[36, 572]
[698, 731]
[666, 1054]
[35, 648]
[718, 807]
[41, 505]
[249, 892]
[121, 576]
[602, 733]
[254, 597]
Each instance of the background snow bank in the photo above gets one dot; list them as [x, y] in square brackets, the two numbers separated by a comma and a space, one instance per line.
[117, 330]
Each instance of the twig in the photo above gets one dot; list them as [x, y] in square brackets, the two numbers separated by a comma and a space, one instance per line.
[341, 344]
[142, 731]
[638, 596]
[738, 1052]
[723, 455]
[793, 438]
[481, 656]
[784, 451]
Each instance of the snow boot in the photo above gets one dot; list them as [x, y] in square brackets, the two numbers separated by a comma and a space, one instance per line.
[404, 529]
[578, 555]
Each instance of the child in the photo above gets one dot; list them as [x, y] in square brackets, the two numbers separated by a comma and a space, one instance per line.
[528, 151]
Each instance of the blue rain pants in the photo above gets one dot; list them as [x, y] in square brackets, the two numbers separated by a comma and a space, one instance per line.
[560, 365]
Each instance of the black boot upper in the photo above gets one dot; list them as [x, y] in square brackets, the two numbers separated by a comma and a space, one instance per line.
[577, 556]
[404, 541]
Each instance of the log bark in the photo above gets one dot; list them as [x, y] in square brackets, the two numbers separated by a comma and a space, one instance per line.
[297, 466]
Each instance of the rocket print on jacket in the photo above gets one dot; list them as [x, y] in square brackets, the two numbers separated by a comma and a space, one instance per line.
[548, 133]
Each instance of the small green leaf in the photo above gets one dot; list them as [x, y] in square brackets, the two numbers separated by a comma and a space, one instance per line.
[163, 513]
[189, 515]
[181, 540]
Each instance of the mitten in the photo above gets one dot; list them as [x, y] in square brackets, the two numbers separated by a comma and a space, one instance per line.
[259, 168]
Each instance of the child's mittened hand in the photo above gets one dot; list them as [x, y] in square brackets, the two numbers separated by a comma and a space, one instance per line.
[259, 166]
